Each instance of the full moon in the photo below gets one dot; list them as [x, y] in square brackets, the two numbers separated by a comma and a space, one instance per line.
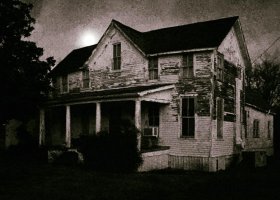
[88, 38]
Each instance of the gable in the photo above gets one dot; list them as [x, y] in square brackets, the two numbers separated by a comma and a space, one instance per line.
[234, 48]
[101, 58]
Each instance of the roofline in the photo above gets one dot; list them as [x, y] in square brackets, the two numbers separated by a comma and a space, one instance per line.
[146, 92]
[260, 109]
[128, 38]
[182, 51]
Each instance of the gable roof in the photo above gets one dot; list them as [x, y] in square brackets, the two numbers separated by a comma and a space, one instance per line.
[208, 34]
[73, 61]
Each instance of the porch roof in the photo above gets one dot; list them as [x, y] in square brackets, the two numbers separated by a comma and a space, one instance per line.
[109, 94]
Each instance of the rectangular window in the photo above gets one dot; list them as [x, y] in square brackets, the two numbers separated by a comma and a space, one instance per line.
[153, 114]
[85, 79]
[153, 68]
[187, 66]
[256, 128]
[117, 56]
[64, 84]
[269, 130]
[220, 68]
[188, 116]
[220, 117]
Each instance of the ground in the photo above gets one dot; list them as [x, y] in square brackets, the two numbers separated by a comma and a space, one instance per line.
[44, 181]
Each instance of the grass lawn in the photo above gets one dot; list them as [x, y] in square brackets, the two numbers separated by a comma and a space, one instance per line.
[43, 181]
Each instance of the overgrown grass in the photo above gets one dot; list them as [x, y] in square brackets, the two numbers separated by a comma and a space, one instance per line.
[43, 181]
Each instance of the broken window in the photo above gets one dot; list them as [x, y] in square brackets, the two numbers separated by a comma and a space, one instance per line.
[64, 84]
[220, 117]
[220, 67]
[188, 116]
[187, 66]
[117, 56]
[256, 128]
[153, 114]
[153, 68]
[85, 79]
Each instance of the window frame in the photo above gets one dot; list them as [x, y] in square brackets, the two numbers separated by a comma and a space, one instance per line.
[220, 117]
[220, 67]
[86, 79]
[64, 84]
[153, 68]
[256, 128]
[153, 115]
[117, 56]
[193, 117]
[269, 130]
[188, 65]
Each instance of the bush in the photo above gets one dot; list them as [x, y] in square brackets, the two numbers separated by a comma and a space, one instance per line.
[115, 151]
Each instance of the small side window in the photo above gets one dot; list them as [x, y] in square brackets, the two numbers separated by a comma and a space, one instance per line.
[256, 124]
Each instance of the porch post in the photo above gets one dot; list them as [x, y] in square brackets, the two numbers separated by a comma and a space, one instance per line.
[68, 127]
[138, 121]
[42, 127]
[98, 118]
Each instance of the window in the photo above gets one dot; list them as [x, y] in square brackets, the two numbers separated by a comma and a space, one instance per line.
[269, 130]
[85, 79]
[64, 84]
[256, 128]
[220, 117]
[220, 68]
[187, 66]
[153, 114]
[153, 68]
[188, 118]
[117, 56]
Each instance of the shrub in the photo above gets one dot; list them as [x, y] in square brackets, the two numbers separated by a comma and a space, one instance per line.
[116, 151]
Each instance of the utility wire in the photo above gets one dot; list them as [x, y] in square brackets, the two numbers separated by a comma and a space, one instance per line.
[266, 50]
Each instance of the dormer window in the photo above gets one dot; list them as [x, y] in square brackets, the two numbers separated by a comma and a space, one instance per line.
[187, 66]
[117, 56]
[153, 68]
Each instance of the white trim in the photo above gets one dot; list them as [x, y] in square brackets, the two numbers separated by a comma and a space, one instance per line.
[146, 92]
[182, 51]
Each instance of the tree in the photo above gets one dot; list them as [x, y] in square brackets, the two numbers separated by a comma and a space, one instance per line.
[23, 75]
[265, 79]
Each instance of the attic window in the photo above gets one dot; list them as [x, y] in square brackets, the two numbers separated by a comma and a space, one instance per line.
[256, 128]
[64, 83]
[117, 56]
[85, 79]
[220, 67]
[187, 66]
[153, 68]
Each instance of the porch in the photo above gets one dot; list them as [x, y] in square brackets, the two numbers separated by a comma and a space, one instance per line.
[63, 122]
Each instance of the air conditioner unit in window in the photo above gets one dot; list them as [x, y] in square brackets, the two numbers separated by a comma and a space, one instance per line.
[151, 131]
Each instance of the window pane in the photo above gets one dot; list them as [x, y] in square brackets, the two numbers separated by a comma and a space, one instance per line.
[188, 127]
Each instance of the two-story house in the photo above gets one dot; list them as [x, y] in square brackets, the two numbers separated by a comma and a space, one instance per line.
[182, 87]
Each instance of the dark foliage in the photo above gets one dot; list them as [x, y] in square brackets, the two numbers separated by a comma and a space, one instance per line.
[115, 151]
[23, 75]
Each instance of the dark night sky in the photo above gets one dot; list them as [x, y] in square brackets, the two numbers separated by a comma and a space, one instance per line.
[60, 24]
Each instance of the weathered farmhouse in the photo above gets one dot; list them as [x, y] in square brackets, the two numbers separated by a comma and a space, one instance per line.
[182, 86]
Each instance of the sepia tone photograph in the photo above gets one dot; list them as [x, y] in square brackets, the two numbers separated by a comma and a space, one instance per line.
[139, 99]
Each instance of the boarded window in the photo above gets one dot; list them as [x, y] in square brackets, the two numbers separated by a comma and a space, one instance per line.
[269, 130]
[188, 116]
[187, 66]
[220, 117]
[117, 56]
[85, 79]
[220, 67]
[153, 68]
[153, 114]
[64, 83]
[256, 128]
